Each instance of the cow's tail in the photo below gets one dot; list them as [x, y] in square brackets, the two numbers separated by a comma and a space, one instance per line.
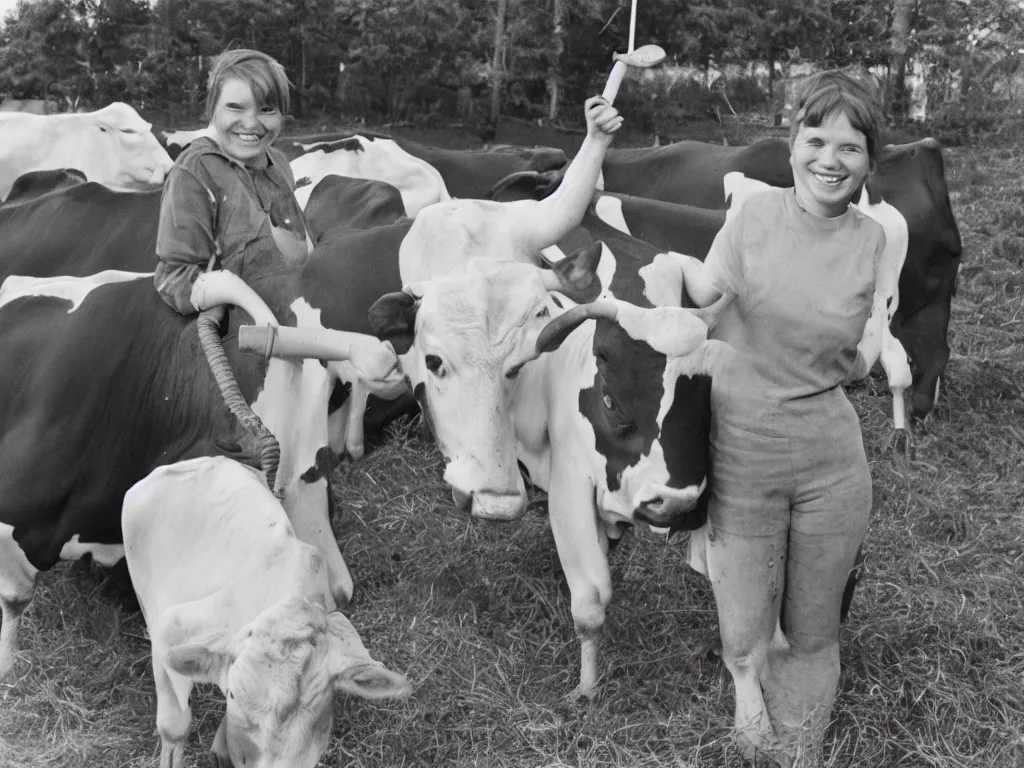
[207, 326]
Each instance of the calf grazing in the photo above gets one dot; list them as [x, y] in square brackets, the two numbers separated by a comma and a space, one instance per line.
[113, 146]
[232, 597]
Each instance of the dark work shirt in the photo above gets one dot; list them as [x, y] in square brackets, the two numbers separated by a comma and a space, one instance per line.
[212, 205]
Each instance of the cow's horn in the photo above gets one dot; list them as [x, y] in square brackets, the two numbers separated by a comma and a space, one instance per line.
[556, 331]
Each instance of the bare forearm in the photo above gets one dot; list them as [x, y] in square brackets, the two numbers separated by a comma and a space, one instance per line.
[697, 281]
[559, 214]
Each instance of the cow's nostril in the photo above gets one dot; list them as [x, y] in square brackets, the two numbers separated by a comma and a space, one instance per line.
[656, 503]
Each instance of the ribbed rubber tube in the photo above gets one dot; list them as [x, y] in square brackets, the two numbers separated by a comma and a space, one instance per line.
[270, 451]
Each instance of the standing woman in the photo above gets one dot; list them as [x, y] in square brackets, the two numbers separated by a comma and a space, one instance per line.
[230, 195]
[791, 491]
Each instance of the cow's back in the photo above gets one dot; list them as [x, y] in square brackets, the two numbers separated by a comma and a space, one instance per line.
[691, 172]
[349, 270]
[348, 203]
[108, 386]
[912, 179]
[79, 231]
[35, 184]
[198, 526]
[470, 173]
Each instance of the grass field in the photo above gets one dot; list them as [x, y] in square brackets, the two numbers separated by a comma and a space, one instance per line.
[477, 614]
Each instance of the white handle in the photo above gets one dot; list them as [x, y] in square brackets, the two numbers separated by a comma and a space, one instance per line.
[611, 90]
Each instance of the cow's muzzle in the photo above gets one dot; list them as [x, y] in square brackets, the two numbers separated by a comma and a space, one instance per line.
[663, 506]
[502, 507]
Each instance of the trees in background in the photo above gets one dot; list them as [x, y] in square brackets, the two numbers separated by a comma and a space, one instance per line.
[470, 59]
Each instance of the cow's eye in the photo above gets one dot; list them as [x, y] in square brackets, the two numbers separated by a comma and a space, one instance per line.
[619, 420]
[435, 366]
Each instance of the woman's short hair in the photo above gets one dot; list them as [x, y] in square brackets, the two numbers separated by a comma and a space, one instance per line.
[261, 72]
[823, 94]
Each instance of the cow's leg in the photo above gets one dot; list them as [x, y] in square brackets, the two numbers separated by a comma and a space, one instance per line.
[354, 437]
[581, 545]
[303, 506]
[173, 717]
[17, 584]
[897, 371]
[851, 584]
[219, 751]
[697, 550]
[337, 426]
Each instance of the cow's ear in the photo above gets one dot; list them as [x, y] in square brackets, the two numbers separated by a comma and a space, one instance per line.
[353, 670]
[577, 273]
[372, 681]
[196, 661]
[393, 318]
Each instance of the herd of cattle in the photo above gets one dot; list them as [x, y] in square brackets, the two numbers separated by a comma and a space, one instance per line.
[576, 364]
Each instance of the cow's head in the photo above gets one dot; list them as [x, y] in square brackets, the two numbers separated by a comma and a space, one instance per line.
[647, 399]
[279, 674]
[132, 156]
[471, 335]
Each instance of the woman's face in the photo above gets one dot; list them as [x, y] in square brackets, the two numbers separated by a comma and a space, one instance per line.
[243, 128]
[830, 163]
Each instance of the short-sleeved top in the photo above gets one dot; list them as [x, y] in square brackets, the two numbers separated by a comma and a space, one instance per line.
[213, 205]
[804, 288]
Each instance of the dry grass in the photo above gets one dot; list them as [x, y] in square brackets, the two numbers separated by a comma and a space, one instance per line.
[477, 614]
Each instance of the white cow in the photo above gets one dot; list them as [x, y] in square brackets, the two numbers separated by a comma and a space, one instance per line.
[232, 597]
[360, 157]
[612, 423]
[113, 146]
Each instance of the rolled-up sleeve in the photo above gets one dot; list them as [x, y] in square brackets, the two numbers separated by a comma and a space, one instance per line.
[185, 237]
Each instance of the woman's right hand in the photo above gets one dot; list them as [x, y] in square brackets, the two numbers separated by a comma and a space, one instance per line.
[602, 118]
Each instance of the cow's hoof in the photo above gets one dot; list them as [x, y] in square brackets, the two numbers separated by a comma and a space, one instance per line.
[581, 696]
[765, 753]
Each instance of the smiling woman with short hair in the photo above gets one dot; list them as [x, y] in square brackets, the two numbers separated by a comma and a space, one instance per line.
[230, 195]
[791, 490]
